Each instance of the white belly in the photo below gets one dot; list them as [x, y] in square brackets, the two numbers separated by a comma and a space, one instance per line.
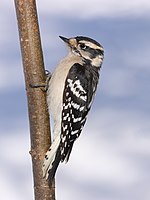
[56, 89]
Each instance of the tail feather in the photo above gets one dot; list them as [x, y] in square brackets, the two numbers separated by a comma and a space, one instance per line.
[52, 170]
[53, 158]
[50, 157]
[67, 155]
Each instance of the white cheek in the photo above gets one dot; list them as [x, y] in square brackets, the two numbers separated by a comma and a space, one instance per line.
[97, 61]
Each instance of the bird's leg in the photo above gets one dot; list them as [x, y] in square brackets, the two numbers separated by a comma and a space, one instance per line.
[43, 86]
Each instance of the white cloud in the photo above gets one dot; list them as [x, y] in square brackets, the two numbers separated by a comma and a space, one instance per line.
[108, 155]
[112, 154]
[15, 165]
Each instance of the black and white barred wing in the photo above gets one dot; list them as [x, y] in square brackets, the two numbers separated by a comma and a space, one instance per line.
[76, 104]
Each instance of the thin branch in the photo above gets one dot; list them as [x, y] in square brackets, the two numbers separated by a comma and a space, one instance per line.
[35, 74]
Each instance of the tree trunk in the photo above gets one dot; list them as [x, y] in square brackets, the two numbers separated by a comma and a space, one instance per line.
[37, 108]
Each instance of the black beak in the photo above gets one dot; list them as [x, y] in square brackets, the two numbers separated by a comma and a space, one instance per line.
[66, 40]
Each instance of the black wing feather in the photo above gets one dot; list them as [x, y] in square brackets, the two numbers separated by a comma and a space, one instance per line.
[80, 86]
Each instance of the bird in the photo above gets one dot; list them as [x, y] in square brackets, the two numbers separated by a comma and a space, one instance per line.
[70, 94]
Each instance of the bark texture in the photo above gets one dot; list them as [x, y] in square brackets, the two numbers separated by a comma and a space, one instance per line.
[34, 73]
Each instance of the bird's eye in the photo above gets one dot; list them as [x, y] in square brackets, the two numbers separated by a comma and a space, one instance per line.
[82, 46]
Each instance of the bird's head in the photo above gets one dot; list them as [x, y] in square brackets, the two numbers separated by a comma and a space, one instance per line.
[86, 48]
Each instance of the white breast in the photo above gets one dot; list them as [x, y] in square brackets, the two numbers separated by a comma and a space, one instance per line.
[56, 85]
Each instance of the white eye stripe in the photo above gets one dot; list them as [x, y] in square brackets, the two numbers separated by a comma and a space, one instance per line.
[91, 45]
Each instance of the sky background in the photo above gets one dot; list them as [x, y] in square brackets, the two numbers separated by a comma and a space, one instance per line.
[111, 160]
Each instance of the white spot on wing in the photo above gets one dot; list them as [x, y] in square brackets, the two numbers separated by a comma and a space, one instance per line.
[74, 132]
[77, 119]
[65, 117]
[77, 89]
[81, 108]
[75, 105]
[65, 127]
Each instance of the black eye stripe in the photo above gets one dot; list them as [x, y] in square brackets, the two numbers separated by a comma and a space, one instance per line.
[101, 52]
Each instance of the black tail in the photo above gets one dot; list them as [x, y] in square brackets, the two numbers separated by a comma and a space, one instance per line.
[57, 160]
[66, 157]
[55, 164]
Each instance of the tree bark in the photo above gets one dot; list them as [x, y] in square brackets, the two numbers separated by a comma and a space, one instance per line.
[37, 108]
